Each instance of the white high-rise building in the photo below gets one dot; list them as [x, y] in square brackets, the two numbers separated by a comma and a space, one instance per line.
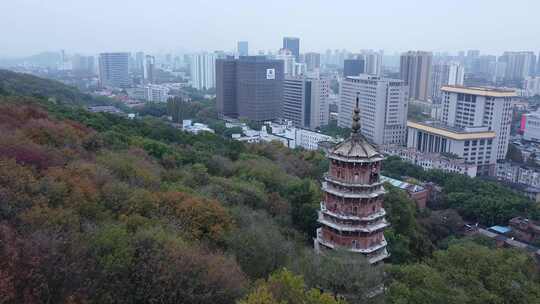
[532, 86]
[383, 107]
[305, 101]
[203, 71]
[372, 62]
[471, 107]
[443, 74]
[289, 62]
[519, 65]
[415, 70]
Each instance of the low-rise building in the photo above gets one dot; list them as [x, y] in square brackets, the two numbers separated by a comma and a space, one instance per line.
[417, 193]
[531, 126]
[430, 161]
[285, 133]
[195, 128]
[525, 230]
[473, 144]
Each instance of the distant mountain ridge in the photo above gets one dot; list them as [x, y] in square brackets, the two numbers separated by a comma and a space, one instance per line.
[21, 84]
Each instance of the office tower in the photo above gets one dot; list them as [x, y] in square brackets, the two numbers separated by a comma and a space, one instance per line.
[289, 61]
[203, 71]
[353, 67]
[149, 69]
[473, 53]
[249, 88]
[538, 65]
[243, 48]
[327, 57]
[483, 66]
[531, 86]
[299, 69]
[312, 61]
[445, 74]
[383, 107]
[415, 70]
[519, 65]
[292, 44]
[139, 61]
[352, 213]
[372, 62]
[483, 109]
[305, 101]
[114, 70]
[84, 65]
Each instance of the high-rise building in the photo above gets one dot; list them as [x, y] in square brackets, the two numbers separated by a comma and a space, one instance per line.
[472, 107]
[352, 216]
[249, 88]
[203, 71]
[538, 65]
[149, 69]
[383, 107]
[305, 101]
[83, 64]
[443, 74]
[353, 67]
[139, 61]
[114, 70]
[312, 61]
[415, 70]
[292, 44]
[372, 62]
[243, 48]
[289, 61]
[519, 65]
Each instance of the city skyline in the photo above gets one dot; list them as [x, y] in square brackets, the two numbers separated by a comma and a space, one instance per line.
[205, 25]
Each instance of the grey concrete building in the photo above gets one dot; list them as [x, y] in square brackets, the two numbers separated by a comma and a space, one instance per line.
[383, 107]
[249, 88]
[313, 61]
[114, 70]
[305, 101]
[415, 70]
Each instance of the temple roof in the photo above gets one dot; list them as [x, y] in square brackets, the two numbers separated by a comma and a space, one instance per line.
[356, 147]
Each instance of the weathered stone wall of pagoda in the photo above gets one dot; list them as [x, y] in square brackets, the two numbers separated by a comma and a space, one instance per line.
[360, 207]
[360, 172]
[354, 241]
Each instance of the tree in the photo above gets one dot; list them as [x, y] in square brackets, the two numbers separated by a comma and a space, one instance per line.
[406, 239]
[341, 273]
[258, 244]
[466, 273]
[284, 287]
[514, 154]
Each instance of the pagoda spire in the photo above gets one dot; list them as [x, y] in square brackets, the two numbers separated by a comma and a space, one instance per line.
[355, 128]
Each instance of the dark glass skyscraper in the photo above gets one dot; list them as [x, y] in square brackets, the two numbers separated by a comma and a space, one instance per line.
[353, 67]
[249, 88]
[114, 70]
[292, 44]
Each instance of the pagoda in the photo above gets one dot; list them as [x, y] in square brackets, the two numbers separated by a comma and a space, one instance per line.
[352, 216]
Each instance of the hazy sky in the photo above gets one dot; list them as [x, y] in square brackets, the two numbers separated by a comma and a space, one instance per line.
[91, 26]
